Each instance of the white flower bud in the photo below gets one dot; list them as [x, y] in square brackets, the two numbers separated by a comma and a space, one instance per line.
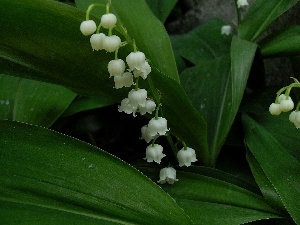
[96, 41]
[145, 134]
[281, 97]
[186, 156]
[135, 60]
[111, 43]
[157, 126]
[108, 20]
[167, 175]
[274, 109]
[137, 97]
[116, 67]
[143, 71]
[149, 107]
[226, 29]
[286, 105]
[297, 119]
[125, 80]
[292, 117]
[88, 27]
[126, 107]
[242, 3]
[154, 153]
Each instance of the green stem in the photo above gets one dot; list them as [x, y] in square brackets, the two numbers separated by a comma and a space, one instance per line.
[172, 145]
[238, 12]
[90, 8]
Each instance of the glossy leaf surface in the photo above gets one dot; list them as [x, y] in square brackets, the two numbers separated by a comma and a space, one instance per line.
[260, 15]
[161, 8]
[58, 175]
[283, 173]
[32, 101]
[208, 197]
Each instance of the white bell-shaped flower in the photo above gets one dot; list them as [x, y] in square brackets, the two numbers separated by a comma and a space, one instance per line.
[96, 41]
[111, 43]
[124, 80]
[167, 175]
[154, 153]
[88, 27]
[274, 109]
[281, 97]
[116, 67]
[295, 118]
[137, 97]
[145, 134]
[157, 126]
[148, 108]
[286, 104]
[126, 107]
[186, 156]
[226, 29]
[242, 3]
[143, 71]
[135, 60]
[108, 20]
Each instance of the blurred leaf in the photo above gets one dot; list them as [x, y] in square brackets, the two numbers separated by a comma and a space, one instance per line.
[209, 197]
[57, 52]
[83, 103]
[284, 43]
[280, 167]
[260, 15]
[216, 90]
[32, 101]
[60, 176]
[161, 8]
[203, 43]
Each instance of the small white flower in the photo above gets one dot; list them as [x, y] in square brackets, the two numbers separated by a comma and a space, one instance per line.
[126, 107]
[143, 71]
[96, 41]
[186, 156]
[137, 97]
[295, 118]
[125, 80]
[148, 108]
[154, 153]
[274, 109]
[286, 104]
[226, 29]
[135, 60]
[157, 126]
[242, 3]
[116, 67]
[88, 27]
[145, 134]
[167, 175]
[281, 97]
[111, 43]
[108, 20]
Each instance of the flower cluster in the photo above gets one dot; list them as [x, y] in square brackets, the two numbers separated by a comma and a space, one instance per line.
[284, 103]
[126, 74]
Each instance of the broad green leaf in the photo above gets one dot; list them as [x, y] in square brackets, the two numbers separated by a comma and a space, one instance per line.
[161, 8]
[32, 101]
[55, 51]
[216, 90]
[203, 43]
[83, 103]
[58, 175]
[260, 15]
[148, 32]
[284, 43]
[265, 185]
[280, 167]
[210, 198]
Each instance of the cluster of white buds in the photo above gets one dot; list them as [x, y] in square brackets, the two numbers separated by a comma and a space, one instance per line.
[242, 3]
[284, 103]
[137, 100]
